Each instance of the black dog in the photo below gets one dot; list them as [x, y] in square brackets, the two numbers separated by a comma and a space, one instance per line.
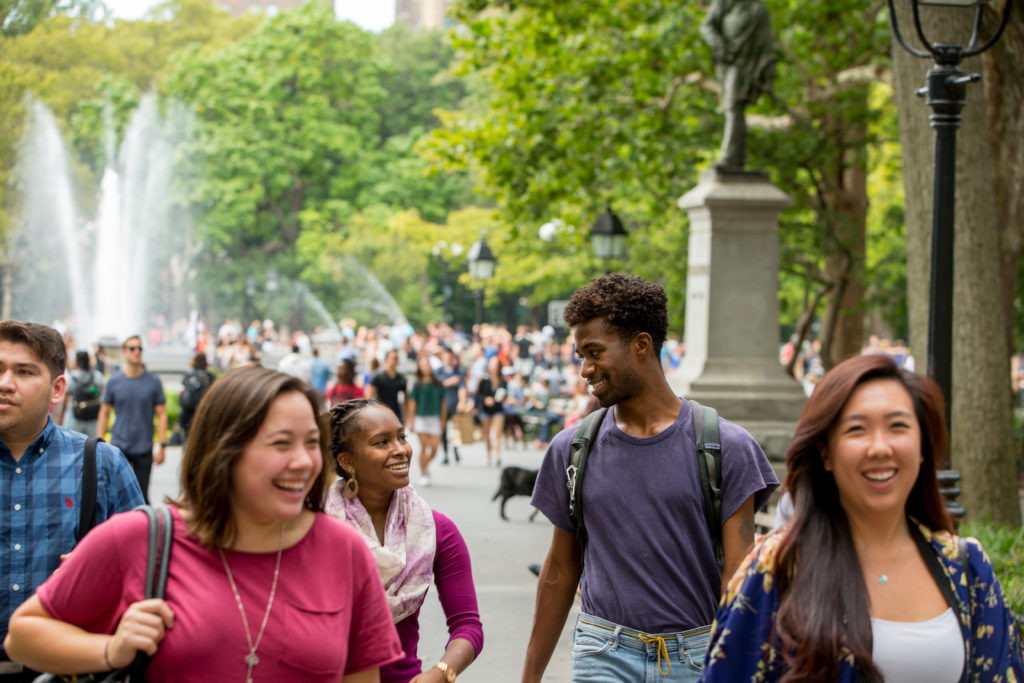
[515, 481]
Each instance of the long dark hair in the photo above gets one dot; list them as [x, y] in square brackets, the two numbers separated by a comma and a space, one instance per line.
[421, 378]
[824, 601]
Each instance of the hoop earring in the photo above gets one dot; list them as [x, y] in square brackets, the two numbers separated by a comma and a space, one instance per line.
[351, 486]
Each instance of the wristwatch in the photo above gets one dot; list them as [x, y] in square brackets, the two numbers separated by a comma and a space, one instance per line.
[446, 671]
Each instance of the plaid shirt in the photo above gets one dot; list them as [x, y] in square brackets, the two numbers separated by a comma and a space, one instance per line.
[39, 499]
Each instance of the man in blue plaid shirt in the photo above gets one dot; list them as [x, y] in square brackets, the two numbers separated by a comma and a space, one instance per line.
[41, 472]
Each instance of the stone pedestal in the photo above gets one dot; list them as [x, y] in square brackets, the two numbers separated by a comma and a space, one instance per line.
[732, 308]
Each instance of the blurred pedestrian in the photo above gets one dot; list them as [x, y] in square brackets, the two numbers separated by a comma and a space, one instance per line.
[81, 405]
[427, 413]
[194, 384]
[136, 396]
[490, 394]
[344, 387]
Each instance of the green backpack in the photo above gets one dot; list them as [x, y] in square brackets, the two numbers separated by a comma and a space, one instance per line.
[709, 462]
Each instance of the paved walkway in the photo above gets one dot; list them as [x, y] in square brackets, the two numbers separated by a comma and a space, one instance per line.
[500, 551]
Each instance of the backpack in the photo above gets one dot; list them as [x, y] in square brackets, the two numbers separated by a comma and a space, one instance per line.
[85, 400]
[194, 385]
[709, 463]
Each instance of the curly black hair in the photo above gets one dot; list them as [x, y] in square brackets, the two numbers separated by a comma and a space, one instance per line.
[342, 418]
[629, 304]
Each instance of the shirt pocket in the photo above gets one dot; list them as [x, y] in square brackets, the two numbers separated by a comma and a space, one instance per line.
[316, 638]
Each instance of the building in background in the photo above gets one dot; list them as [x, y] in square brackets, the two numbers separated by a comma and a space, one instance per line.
[422, 13]
[240, 7]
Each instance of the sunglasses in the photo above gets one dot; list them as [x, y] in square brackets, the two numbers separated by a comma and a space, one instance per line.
[133, 348]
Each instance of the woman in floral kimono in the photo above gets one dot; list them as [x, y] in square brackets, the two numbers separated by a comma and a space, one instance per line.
[867, 581]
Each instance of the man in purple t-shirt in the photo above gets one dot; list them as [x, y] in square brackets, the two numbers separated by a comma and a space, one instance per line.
[652, 582]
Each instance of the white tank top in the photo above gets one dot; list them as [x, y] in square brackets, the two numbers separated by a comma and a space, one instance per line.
[920, 651]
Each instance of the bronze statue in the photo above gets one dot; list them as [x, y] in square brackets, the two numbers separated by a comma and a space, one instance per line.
[742, 50]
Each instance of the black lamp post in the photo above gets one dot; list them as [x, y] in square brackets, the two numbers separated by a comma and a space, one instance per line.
[481, 269]
[946, 92]
[609, 237]
[438, 251]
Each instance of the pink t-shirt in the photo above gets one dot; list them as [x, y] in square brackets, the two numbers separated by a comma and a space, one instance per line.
[329, 617]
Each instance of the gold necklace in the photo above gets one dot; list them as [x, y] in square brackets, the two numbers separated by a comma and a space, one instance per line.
[251, 659]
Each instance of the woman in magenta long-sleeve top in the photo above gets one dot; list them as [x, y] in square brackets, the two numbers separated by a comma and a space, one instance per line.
[411, 544]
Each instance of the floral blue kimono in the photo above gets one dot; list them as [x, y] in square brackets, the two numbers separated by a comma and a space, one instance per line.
[744, 649]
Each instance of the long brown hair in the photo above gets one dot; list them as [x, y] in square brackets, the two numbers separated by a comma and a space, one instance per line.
[823, 598]
[229, 416]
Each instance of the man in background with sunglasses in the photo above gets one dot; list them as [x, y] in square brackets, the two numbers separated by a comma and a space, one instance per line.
[135, 395]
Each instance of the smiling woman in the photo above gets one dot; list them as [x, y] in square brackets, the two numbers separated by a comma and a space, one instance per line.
[411, 543]
[866, 582]
[261, 583]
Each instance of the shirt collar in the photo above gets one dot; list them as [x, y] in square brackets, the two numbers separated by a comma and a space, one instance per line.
[40, 444]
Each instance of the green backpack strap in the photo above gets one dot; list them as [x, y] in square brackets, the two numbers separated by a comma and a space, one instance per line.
[586, 431]
[709, 462]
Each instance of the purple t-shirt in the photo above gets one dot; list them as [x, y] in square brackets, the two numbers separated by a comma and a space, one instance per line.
[650, 562]
[453, 577]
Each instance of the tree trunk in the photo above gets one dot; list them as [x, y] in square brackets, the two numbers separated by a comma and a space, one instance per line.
[981, 440]
[851, 202]
[1004, 79]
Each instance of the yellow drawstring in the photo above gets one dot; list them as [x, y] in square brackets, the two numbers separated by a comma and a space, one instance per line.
[662, 647]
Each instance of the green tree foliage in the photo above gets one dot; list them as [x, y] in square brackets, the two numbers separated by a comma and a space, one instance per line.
[285, 116]
[413, 69]
[303, 142]
[578, 104]
[18, 17]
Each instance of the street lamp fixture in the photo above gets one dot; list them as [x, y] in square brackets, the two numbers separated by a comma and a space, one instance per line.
[481, 260]
[609, 235]
[946, 94]
[481, 268]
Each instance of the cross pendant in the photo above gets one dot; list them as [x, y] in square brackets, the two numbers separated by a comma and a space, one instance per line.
[252, 660]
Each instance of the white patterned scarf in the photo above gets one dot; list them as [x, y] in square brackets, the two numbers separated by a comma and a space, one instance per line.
[406, 558]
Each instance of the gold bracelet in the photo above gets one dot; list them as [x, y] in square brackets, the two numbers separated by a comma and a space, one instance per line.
[446, 671]
[106, 659]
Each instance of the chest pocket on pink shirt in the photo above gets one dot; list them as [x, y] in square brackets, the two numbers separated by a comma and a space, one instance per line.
[316, 638]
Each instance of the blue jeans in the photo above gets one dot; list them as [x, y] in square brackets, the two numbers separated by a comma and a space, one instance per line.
[603, 652]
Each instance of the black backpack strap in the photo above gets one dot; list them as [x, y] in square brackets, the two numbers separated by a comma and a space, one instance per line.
[158, 557]
[87, 505]
[709, 463]
[586, 431]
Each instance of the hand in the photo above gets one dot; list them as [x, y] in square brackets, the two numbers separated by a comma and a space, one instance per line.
[141, 628]
[161, 452]
[431, 675]
[488, 401]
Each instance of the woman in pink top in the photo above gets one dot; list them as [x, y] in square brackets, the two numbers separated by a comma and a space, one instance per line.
[261, 587]
[411, 544]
